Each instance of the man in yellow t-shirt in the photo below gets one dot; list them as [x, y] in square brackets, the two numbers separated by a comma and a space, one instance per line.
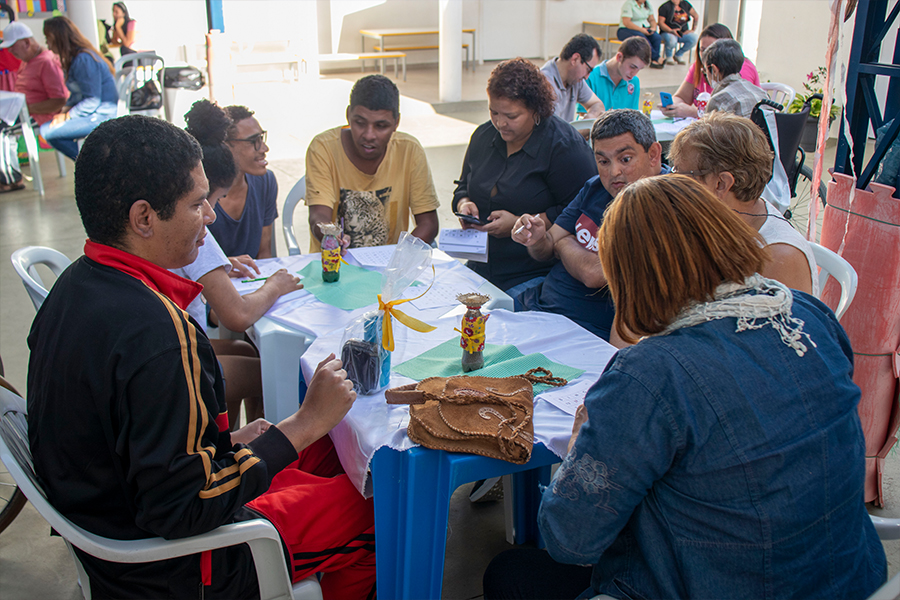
[369, 175]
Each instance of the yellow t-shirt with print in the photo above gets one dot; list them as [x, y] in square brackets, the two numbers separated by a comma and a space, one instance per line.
[375, 208]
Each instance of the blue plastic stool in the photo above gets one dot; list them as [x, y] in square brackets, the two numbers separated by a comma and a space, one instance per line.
[412, 492]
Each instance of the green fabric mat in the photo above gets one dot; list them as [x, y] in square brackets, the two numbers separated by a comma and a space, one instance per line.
[356, 288]
[499, 361]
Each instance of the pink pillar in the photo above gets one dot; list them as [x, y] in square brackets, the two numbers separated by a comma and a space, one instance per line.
[872, 245]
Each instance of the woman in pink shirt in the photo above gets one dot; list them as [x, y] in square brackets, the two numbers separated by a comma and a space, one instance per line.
[685, 99]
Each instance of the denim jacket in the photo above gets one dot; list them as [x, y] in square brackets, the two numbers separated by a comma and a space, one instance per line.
[717, 464]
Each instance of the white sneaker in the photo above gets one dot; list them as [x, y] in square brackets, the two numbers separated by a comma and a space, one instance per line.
[670, 61]
[678, 59]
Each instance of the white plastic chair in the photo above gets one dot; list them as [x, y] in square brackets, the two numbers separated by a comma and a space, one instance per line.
[583, 124]
[836, 266]
[25, 260]
[133, 71]
[779, 92]
[260, 535]
[297, 193]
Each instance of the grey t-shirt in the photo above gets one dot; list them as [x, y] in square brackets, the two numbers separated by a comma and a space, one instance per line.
[566, 97]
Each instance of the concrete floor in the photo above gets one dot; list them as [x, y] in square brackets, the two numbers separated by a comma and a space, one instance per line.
[35, 565]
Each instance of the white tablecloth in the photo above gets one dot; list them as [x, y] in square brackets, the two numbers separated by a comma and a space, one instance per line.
[372, 423]
[10, 106]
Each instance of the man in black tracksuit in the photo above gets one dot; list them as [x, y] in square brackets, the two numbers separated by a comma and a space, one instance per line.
[126, 411]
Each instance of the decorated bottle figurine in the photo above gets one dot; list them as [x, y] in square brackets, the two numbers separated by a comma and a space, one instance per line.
[647, 104]
[331, 252]
[472, 335]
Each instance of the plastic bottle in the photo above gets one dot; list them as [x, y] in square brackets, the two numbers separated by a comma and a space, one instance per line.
[647, 104]
[472, 334]
[331, 252]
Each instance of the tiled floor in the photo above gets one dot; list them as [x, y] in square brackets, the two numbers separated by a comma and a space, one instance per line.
[35, 565]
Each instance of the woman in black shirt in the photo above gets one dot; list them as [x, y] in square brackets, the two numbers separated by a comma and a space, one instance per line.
[524, 160]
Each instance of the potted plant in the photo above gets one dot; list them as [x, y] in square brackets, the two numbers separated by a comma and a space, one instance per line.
[814, 85]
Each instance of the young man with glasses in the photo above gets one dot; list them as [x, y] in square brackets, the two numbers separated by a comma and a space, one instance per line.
[368, 176]
[245, 215]
[567, 74]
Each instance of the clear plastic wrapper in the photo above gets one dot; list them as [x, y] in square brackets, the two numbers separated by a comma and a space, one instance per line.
[368, 341]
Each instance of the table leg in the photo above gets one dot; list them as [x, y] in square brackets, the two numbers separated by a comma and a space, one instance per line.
[412, 504]
[362, 50]
[526, 502]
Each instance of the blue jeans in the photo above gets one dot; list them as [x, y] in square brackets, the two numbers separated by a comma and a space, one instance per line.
[686, 42]
[655, 40]
[65, 137]
[515, 291]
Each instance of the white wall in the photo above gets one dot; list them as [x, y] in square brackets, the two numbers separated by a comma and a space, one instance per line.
[163, 26]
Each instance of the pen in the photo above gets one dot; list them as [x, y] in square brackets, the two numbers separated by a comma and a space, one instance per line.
[252, 280]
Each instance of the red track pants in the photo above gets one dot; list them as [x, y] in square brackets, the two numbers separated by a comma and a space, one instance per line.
[326, 523]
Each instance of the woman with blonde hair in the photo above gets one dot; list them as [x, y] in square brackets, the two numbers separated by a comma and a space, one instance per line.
[722, 455]
[93, 97]
[730, 155]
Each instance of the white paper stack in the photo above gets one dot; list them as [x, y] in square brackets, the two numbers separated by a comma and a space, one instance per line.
[468, 244]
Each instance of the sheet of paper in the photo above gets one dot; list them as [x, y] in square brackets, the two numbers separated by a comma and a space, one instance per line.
[376, 256]
[267, 268]
[568, 398]
[440, 295]
[468, 244]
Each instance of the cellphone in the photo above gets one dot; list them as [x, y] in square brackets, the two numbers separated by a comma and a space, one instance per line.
[470, 219]
[665, 98]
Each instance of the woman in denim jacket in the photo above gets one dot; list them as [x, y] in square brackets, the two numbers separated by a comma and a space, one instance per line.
[722, 455]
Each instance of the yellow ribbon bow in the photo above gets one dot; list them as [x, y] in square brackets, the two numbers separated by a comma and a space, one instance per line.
[387, 330]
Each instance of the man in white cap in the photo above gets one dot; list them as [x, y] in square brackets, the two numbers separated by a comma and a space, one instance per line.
[42, 81]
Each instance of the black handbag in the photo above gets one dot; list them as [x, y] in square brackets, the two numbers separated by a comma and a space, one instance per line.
[147, 97]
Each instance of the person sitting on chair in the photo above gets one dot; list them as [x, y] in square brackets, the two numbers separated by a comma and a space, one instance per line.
[369, 176]
[245, 216]
[615, 81]
[732, 93]
[126, 405]
[567, 74]
[41, 79]
[209, 124]
[730, 155]
[626, 150]
[721, 456]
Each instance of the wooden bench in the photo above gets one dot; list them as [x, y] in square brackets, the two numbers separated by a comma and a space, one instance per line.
[609, 37]
[364, 56]
[422, 47]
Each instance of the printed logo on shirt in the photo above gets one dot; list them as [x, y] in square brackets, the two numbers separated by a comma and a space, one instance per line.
[365, 216]
[630, 88]
[586, 233]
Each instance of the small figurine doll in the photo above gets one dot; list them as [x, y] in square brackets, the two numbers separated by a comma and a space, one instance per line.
[331, 252]
[472, 335]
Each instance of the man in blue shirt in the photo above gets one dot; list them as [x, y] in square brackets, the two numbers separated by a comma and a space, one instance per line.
[626, 150]
[615, 81]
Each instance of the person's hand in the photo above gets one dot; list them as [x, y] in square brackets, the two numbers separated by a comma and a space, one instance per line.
[650, 31]
[242, 266]
[250, 432]
[345, 243]
[679, 109]
[329, 397]
[581, 417]
[533, 229]
[500, 224]
[59, 119]
[467, 207]
[283, 282]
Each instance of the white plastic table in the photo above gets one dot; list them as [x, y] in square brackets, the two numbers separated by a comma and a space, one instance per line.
[288, 329]
[412, 485]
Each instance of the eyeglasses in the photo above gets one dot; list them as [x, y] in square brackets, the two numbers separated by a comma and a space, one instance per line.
[257, 140]
[694, 174]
